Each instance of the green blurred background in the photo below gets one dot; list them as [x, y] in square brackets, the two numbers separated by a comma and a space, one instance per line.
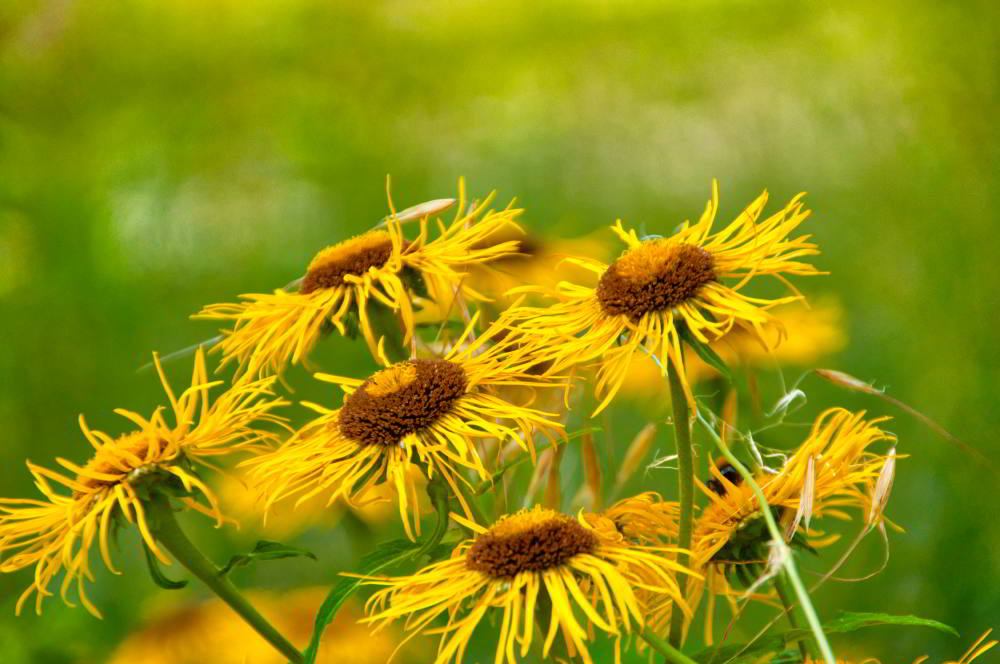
[156, 156]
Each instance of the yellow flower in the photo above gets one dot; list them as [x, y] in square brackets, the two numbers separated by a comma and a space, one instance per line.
[644, 518]
[832, 471]
[380, 268]
[585, 576]
[428, 413]
[812, 333]
[211, 632]
[57, 534]
[534, 263]
[661, 288]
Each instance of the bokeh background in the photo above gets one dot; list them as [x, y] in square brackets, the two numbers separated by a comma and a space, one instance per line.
[156, 156]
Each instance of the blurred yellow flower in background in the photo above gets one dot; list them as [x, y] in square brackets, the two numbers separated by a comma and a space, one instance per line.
[664, 287]
[211, 632]
[811, 333]
[346, 282]
[56, 534]
[287, 520]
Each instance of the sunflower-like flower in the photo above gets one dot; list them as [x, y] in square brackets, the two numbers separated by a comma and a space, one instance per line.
[426, 413]
[380, 268]
[82, 508]
[586, 576]
[832, 471]
[663, 288]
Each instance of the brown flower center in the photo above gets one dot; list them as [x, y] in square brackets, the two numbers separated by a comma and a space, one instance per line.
[355, 257]
[401, 400]
[529, 542]
[655, 276]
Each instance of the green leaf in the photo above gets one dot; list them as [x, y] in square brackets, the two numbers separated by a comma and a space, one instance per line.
[159, 578]
[705, 352]
[848, 621]
[386, 555]
[265, 550]
[384, 323]
[414, 282]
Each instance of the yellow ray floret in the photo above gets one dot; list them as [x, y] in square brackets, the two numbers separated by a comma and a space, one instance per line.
[380, 268]
[587, 575]
[81, 509]
[691, 282]
[424, 413]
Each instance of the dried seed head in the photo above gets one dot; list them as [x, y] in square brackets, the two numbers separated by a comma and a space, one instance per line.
[654, 276]
[354, 256]
[401, 400]
[530, 541]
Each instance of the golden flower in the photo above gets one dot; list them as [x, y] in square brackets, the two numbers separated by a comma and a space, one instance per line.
[832, 471]
[211, 632]
[57, 534]
[534, 566]
[534, 263]
[428, 413]
[644, 518]
[811, 333]
[380, 268]
[661, 288]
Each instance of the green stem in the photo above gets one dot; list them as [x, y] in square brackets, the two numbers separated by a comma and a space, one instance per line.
[470, 499]
[685, 480]
[168, 533]
[785, 554]
[671, 654]
[781, 586]
[437, 491]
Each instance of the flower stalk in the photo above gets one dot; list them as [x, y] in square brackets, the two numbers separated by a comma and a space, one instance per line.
[168, 532]
[685, 480]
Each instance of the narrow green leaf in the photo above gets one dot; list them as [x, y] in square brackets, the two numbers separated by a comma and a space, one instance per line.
[848, 621]
[386, 555]
[705, 352]
[265, 550]
[159, 578]
[384, 323]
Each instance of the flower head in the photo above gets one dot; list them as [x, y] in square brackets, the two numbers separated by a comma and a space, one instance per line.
[82, 508]
[426, 413]
[587, 574]
[832, 471]
[344, 282]
[690, 283]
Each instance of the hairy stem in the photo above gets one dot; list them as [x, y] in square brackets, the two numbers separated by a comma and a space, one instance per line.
[672, 655]
[168, 532]
[685, 479]
[781, 586]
